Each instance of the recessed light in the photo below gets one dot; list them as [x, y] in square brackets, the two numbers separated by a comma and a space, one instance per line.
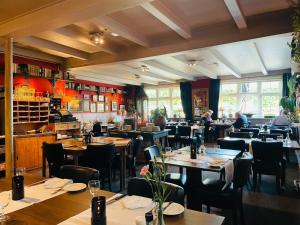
[114, 34]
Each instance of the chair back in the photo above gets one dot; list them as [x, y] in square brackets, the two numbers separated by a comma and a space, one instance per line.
[54, 154]
[184, 131]
[100, 156]
[114, 133]
[255, 131]
[274, 136]
[279, 131]
[232, 144]
[141, 187]
[137, 144]
[97, 129]
[269, 153]
[78, 174]
[172, 131]
[151, 152]
[240, 134]
[242, 170]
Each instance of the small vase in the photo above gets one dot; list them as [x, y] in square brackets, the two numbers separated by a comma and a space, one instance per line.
[160, 215]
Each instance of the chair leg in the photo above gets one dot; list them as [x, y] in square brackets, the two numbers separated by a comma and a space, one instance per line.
[278, 186]
[260, 178]
[207, 208]
[234, 217]
[254, 181]
[109, 180]
[242, 215]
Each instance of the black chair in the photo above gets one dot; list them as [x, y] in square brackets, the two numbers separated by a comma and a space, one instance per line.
[268, 159]
[141, 187]
[274, 136]
[172, 136]
[184, 136]
[232, 144]
[174, 178]
[211, 193]
[279, 131]
[100, 157]
[97, 130]
[240, 134]
[54, 154]
[255, 131]
[78, 174]
[131, 158]
[115, 133]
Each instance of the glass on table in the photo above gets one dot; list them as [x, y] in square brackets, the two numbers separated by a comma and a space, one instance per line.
[251, 134]
[94, 187]
[168, 149]
[280, 138]
[4, 201]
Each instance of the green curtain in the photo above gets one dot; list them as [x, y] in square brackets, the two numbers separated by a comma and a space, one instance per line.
[186, 99]
[285, 78]
[214, 91]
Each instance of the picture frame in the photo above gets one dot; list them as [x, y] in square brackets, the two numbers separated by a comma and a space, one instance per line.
[95, 98]
[122, 107]
[101, 98]
[86, 105]
[100, 106]
[107, 107]
[93, 107]
[114, 106]
[86, 96]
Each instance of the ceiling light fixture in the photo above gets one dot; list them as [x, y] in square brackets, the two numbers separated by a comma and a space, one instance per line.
[97, 38]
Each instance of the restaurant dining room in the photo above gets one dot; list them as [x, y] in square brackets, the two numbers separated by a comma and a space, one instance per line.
[150, 112]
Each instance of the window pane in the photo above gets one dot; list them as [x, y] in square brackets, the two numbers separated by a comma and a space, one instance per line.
[167, 104]
[229, 104]
[270, 105]
[152, 105]
[151, 93]
[177, 107]
[163, 92]
[248, 87]
[271, 87]
[249, 104]
[229, 88]
[176, 92]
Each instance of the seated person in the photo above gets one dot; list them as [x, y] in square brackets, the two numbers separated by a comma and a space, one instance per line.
[241, 121]
[206, 120]
[282, 119]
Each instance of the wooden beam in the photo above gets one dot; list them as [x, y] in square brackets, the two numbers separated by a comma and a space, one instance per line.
[61, 13]
[258, 26]
[169, 70]
[44, 44]
[222, 60]
[122, 30]
[257, 57]
[166, 16]
[8, 84]
[236, 13]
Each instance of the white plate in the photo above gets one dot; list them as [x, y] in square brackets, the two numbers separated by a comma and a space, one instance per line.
[74, 187]
[174, 209]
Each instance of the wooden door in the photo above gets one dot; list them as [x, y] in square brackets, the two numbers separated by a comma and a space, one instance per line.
[26, 149]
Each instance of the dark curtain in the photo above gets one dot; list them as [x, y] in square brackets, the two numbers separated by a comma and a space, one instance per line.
[186, 99]
[214, 91]
[285, 77]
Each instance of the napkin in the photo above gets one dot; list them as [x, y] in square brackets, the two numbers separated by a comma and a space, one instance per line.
[55, 183]
[135, 202]
[229, 170]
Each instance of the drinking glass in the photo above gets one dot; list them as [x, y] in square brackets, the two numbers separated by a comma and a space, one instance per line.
[168, 149]
[251, 134]
[280, 138]
[94, 187]
[4, 201]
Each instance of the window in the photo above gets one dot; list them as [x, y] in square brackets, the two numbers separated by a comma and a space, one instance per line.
[163, 96]
[259, 97]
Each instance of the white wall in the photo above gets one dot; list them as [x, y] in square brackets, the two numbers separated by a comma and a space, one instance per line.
[91, 117]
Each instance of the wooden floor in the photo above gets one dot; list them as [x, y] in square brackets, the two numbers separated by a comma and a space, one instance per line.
[265, 207]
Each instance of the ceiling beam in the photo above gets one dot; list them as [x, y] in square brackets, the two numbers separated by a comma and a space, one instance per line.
[222, 60]
[145, 74]
[166, 16]
[44, 44]
[61, 13]
[258, 26]
[96, 79]
[257, 57]
[168, 69]
[122, 30]
[236, 13]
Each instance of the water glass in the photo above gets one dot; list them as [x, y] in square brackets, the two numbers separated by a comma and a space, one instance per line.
[168, 149]
[94, 187]
[251, 134]
[4, 201]
[280, 138]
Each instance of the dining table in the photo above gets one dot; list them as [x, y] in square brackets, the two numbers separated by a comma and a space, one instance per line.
[77, 148]
[65, 207]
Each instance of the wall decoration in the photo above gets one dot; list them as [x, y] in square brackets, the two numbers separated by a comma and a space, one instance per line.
[114, 106]
[87, 97]
[122, 108]
[75, 105]
[101, 98]
[95, 98]
[93, 107]
[86, 105]
[100, 106]
[200, 101]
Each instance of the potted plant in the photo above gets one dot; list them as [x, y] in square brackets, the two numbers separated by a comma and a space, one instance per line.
[158, 117]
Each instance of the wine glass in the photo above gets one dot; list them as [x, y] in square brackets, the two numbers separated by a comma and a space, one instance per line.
[4, 201]
[94, 186]
[251, 134]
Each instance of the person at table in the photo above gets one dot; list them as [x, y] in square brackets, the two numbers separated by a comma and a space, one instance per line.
[206, 120]
[118, 119]
[241, 121]
[282, 119]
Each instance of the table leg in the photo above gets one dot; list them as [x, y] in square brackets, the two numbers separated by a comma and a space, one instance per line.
[76, 161]
[122, 170]
[194, 180]
[43, 164]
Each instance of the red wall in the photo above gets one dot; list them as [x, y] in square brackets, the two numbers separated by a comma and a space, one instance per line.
[203, 83]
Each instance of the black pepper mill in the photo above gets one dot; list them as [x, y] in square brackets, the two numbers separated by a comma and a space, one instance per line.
[98, 211]
[17, 187]
[193, 151]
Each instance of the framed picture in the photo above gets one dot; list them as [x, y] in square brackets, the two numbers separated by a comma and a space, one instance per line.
[101, 98]
[122, 108]
[93, 107]
[75, 105]
[86, 105]
[86, 97]
[95, 98]
[114, 106]
[200, 101]
[100, 106]
[107, 107]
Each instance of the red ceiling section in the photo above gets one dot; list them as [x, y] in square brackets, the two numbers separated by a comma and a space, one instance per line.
[203, 83]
